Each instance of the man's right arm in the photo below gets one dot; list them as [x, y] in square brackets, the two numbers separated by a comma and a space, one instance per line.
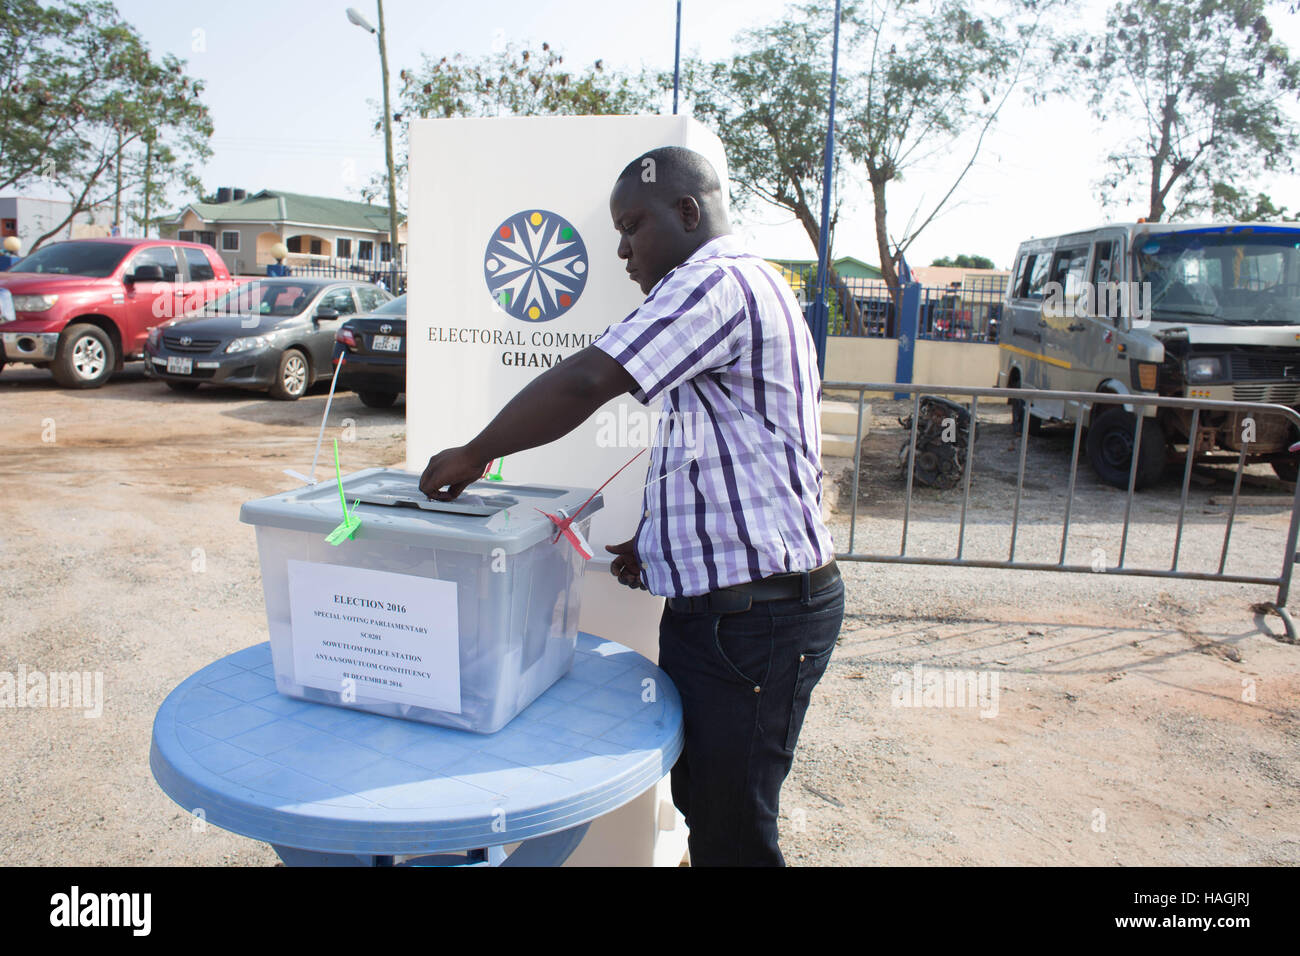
[549, 407]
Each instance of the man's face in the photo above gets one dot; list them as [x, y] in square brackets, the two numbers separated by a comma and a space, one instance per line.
[654, 238]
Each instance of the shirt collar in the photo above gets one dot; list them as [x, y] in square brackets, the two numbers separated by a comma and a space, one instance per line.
[726, 244]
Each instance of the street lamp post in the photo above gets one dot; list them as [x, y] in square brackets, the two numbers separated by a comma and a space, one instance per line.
[677, 57]
[393, 245]
[820, 310]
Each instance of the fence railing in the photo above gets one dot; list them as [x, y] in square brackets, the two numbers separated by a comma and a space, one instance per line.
[1281, 580]
[394, 278]
[946, 313]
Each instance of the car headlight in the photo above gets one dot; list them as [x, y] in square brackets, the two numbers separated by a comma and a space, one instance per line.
[1204, 369]
[34, 303]
[248, 342]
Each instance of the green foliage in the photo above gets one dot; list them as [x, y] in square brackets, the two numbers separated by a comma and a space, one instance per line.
[1203, 82]
[769, 103]
[73, 78]
[913, 79]
[1228, 202]
[934, 73]
[965, 262]
[514, 82]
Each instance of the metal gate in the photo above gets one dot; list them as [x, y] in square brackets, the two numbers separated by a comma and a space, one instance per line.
[1282, 581]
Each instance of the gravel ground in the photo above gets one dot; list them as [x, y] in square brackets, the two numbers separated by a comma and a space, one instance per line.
[1137, 720]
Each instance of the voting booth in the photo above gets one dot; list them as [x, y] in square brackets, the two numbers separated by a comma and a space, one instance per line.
[513, 267]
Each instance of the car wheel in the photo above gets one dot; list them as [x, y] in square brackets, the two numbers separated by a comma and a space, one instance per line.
[85, 357]
[1110, 449]
[377, 399]
[181, 386]
[292, 376]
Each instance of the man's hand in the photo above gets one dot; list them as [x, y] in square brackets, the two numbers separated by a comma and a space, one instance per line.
[456, 467]
[549, 407]
[627, 566]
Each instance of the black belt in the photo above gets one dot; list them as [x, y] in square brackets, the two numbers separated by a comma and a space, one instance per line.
[741, 597]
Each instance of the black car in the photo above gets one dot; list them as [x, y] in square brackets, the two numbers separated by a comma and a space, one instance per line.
[375, 346]
[276, 334]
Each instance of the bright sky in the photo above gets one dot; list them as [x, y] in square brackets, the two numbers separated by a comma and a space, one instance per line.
[291, 85]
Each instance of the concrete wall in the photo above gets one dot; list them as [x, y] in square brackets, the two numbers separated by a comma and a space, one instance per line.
[955, 363]
[853, 359]
[935, 363]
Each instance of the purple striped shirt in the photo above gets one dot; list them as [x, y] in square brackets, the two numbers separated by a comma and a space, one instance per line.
[733, 489]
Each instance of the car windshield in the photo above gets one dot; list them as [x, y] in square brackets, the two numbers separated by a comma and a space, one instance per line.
[392, 307]
[264, 298]
[93, 259]
[1230, 276]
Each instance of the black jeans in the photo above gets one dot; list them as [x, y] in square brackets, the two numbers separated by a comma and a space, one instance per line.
[745, 681]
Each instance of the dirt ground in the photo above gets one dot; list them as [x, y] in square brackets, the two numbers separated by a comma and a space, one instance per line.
[1125, 720]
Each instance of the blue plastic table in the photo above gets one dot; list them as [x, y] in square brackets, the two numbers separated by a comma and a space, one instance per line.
[328, 786]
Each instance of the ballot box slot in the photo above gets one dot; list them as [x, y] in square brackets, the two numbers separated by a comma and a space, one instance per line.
[475, 506]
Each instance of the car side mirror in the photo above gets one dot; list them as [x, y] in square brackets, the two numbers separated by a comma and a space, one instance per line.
[146, 274]
[326, 313]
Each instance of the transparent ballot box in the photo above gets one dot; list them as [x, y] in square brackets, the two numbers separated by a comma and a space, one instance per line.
[455, 613]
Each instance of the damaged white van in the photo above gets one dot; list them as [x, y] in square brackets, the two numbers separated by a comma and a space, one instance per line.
[1188, 310]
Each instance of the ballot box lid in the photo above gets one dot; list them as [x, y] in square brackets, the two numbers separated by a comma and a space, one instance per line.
[486, 516]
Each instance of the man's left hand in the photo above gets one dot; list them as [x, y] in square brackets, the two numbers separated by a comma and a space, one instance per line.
[452, 469]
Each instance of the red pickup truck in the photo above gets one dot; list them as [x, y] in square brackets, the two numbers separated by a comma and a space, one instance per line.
[84, 306]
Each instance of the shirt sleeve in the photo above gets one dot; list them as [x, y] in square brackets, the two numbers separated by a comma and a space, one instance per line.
[695, 321]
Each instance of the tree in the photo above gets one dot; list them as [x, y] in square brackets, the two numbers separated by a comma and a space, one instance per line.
[934, 72]
[769, 105]
[81, 96]
[514, 82]
[1202, 80]
[965, 262]
[1239, 206]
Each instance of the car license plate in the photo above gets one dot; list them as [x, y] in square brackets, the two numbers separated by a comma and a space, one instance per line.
[387, 343]
[179, 366]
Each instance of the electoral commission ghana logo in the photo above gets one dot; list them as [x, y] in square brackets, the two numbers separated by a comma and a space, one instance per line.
[535, 265]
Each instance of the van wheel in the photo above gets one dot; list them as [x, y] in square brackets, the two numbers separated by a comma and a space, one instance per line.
[291, 377]
[85, 358]
[1019, 409]
[1110, 449]
[1287, 470]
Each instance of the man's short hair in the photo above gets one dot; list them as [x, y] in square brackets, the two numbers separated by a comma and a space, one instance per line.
[675, 171]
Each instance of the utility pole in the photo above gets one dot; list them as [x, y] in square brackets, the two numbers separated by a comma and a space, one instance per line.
[148, 182]
[359, 20]
[117, 194]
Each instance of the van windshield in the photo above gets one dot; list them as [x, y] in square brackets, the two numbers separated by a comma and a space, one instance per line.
[1231, 275]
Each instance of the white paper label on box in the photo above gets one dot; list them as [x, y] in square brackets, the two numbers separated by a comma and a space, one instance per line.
[393, 637]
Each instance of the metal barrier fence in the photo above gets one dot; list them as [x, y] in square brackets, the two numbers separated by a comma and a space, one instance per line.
[393, 278]
[947, 313]
[1282, 581]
